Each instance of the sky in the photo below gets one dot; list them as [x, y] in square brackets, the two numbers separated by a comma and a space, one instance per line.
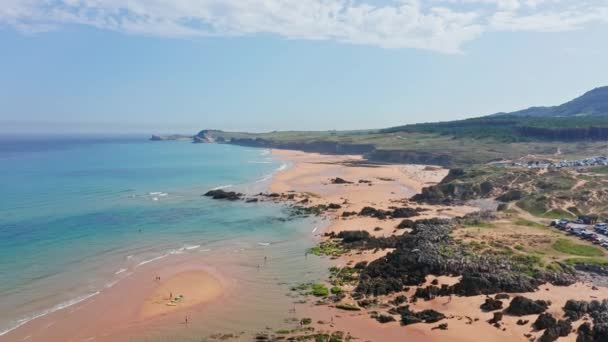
[179, 66]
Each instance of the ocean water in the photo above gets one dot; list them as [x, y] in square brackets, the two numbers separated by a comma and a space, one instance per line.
[78, 214]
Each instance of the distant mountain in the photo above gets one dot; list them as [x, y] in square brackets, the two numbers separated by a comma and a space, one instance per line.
[594, 102]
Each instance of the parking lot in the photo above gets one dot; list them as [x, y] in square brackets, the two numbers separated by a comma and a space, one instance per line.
[596, 233]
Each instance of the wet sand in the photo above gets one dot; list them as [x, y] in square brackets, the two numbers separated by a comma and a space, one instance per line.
[180, 292]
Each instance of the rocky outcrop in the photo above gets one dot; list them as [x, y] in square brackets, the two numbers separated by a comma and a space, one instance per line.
[522, 306]
[430, 250]
[598, 311]
[404, 212]
[339, 180]
[410, 317]
[491, 304]
[554, 331]
[544, 321]
[224, 195]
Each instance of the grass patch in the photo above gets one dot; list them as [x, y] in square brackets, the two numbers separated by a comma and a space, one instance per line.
[527, 223]
[593, 261]
[569, 247]
[557, 214]
[536, 206]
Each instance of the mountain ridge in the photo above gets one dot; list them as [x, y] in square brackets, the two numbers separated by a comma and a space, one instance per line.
[593, 102]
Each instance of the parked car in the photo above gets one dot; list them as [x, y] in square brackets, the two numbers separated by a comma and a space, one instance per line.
[605, 245]
[587, 235]
[601, 227]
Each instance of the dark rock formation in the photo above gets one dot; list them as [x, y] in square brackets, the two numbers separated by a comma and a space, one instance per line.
[410, 317]
[382, 214]
[544, 321]
[497, 317]
[385, 318]
[406, 212]
[407, 223]
[598, 311]
[430, 250]
[361, 239]
[522, 306]
[491, 305]
[559, 329]
[373, 212]
[349, 214]
[339, 180]
[224, 195]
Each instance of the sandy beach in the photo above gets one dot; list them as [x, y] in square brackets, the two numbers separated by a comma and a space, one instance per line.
[212, 288]
[390, 185]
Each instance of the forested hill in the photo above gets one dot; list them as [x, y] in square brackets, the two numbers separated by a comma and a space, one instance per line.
[584, 118]
[594, 102]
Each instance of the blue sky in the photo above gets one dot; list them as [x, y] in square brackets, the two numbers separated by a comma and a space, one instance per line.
[259, 65]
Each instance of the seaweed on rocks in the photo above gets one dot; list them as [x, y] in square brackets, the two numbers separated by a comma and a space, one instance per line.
[360, 239]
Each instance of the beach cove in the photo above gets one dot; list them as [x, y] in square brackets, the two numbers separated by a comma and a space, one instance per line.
[234, 284]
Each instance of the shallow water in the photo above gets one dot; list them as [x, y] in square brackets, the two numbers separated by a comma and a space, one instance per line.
[78, 214]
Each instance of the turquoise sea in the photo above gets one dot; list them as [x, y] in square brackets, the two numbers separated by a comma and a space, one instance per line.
[80, 213]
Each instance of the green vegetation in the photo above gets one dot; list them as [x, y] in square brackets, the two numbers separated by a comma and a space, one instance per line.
[527, 223]
[329, 248]
[569, 247]
[319, 290]
[592, 261]
[336, 290]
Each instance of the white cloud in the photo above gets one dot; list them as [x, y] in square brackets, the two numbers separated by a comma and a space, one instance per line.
[438, 25]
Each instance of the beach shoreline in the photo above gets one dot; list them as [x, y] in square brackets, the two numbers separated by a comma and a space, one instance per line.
[341, 185]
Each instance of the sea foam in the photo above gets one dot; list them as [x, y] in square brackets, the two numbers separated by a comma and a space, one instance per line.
[55, 308]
